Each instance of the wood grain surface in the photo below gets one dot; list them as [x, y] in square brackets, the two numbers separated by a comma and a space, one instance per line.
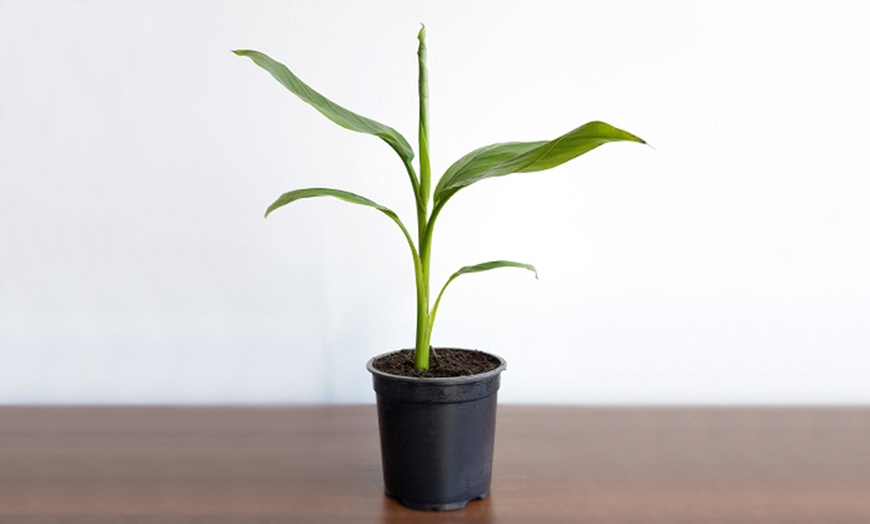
[321, 465]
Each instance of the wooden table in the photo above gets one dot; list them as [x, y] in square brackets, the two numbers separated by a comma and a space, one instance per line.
[321, 465]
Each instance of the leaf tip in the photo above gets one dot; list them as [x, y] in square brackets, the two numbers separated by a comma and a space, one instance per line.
[636, 138]
[422, 34]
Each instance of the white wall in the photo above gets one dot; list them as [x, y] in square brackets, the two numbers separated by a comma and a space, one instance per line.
[729, 264]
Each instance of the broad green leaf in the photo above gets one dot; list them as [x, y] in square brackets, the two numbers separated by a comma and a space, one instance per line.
[347, 196]
[341, 116]
[477, 268]
[477, 162]
[524, 157]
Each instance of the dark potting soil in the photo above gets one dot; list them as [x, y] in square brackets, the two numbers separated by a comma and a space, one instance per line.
[444, 362]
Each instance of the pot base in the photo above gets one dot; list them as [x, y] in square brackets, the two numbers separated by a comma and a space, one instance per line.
[447, 506]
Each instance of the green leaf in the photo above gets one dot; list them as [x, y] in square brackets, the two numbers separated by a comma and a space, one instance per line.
[495, 264]
[341, 116]
[524, 157]
[477, 268]
[347, 196]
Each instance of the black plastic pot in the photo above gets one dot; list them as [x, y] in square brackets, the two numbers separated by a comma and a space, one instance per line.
[437, 437]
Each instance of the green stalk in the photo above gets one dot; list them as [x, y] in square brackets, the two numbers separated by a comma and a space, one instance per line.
[424, 328]
[421, 352]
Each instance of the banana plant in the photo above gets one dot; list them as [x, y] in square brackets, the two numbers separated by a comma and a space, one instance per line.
[486, 162]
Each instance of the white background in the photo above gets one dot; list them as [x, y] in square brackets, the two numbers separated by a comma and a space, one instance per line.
[730, 263]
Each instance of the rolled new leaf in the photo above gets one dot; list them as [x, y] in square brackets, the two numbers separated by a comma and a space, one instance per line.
[524, 157]
[423, 96]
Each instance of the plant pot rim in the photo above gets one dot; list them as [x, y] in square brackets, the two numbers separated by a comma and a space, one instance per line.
[465, 379]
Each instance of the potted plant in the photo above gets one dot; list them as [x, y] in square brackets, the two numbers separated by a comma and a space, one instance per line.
[436, 408]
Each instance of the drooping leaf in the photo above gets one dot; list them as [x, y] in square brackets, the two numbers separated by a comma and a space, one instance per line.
[341, 116]
[347, 196]
[524, 157]
[477, 268]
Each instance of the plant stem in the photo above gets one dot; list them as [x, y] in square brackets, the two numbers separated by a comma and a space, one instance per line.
[424, 328]
[421, 351]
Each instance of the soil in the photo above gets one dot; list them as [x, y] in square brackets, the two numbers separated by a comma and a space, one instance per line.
[443, 362]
